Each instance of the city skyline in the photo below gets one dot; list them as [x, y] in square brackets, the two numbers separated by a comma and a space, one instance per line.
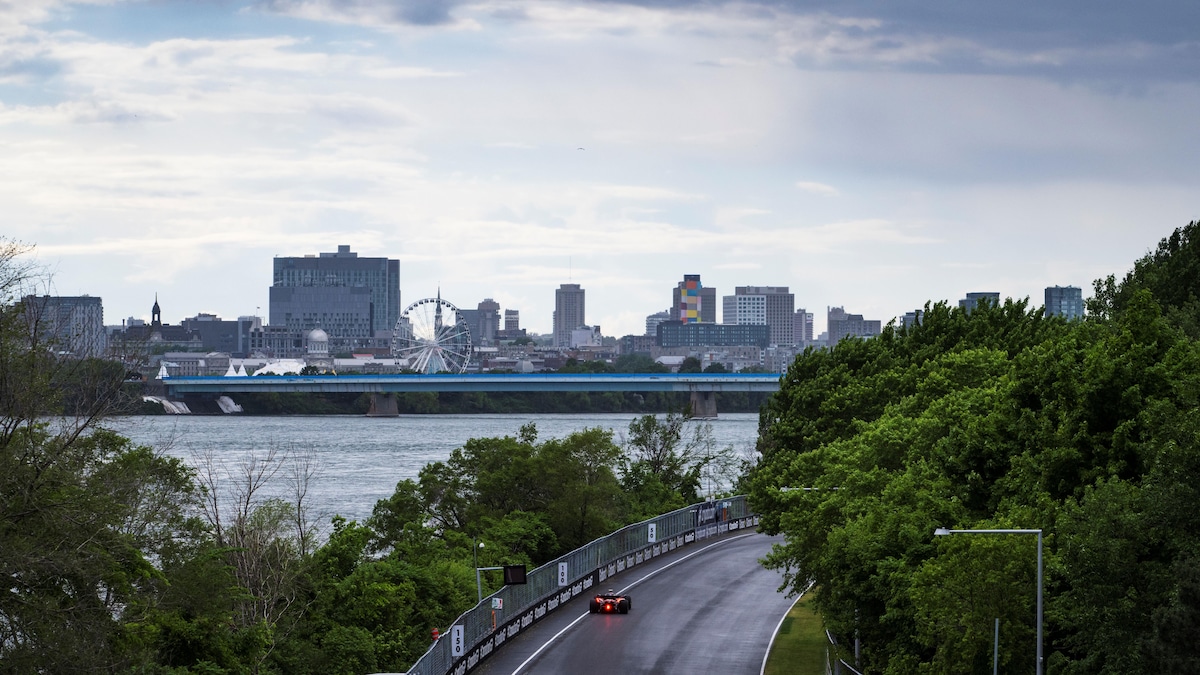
[868, 157]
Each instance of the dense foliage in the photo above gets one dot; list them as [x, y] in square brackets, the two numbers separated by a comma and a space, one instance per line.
[997, 419]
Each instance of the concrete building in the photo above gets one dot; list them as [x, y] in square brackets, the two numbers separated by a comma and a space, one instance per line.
[692, 302]
[586, 336]
[195, 364]
[154, 337]
[568, 313]
[679, 334]
[483, 322]
[843, 325]
[773, 306]
[70, 325]
[637, 344]
[512, 326]
[354, 300]
[970, 302]
[217, 335]
[778, 359]
[653, 320]
[732, 357]
[1065, 301]
[802, 328]
[912, 318]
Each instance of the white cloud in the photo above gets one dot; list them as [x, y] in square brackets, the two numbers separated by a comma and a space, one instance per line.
[156, 159]
[818, 188]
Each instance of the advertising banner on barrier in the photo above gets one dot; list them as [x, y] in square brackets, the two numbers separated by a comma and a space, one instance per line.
[513, 627]
[473, 645]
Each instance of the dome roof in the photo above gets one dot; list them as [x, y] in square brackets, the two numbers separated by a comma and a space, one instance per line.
[318, 335]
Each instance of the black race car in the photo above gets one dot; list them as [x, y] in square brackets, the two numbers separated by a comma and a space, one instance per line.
[609, 603]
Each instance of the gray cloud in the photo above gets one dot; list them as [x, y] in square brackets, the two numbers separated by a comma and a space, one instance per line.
[412, 12]
[1108, 40]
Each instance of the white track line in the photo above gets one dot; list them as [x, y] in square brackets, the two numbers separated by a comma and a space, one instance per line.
[668, 566]
[775, 634]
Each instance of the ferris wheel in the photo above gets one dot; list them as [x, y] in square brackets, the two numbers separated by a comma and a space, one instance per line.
[433, 336]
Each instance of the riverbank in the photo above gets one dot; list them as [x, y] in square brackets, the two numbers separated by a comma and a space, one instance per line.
[470, 403]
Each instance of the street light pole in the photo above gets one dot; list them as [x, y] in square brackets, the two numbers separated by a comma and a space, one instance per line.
[478, 582]
[941, 532]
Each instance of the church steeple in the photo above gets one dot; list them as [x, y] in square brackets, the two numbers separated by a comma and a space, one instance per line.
[155, 313]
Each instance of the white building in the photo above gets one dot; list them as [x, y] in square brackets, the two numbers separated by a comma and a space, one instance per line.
[772, 306]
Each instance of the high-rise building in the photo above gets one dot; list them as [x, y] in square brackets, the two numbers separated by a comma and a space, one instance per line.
[72, 325]
[912, 318]
[568, 313]
[758, 305]
[352, 299]
[512, 320]
[843, 325]
[692, 302]
[972, 300]
[483, 322]
[656, 318]
[802, 327]
[1065, 301]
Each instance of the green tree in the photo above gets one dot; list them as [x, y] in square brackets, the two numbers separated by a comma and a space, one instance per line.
[666, 460]
[84, 515]
[638, 363]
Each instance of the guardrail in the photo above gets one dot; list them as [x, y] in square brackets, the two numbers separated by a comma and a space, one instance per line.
[834, 663]
[481, 630]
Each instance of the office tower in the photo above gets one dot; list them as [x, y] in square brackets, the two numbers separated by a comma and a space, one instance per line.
[802, 327]
[911, 319]
[758, 305]
[972, 300]
[70, 325]
[483, 322]
[691, 301]
[568, 313]
[653, 320]
[346, 296]
[1065, 301]
[512, 320]
[843, 325]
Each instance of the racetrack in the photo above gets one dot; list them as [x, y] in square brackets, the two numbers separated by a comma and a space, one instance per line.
[706, 609]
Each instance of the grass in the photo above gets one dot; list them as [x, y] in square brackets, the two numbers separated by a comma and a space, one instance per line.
[799, 648]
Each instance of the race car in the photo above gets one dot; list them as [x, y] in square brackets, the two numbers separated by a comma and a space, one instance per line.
[609, 603]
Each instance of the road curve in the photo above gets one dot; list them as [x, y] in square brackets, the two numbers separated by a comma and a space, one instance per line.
[708, 609]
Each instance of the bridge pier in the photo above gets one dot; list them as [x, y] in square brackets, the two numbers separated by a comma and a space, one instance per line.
[704, 404]
[383, 405]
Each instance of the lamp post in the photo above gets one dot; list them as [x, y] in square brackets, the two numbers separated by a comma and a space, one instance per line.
[941, 532]
[478, 582]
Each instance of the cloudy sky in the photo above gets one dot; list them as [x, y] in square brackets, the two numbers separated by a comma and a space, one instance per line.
[867, 155]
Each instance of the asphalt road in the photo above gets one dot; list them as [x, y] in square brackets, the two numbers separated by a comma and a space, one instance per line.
[708, 608]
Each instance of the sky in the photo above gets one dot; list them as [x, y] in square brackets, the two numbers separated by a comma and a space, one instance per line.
[868, 155]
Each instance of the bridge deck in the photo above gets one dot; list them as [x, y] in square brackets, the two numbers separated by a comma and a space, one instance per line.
[714, 382]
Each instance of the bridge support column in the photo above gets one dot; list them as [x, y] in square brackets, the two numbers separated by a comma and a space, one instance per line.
[704, 404]
[383, 405]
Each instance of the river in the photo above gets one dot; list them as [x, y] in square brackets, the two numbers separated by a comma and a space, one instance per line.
[359, 460]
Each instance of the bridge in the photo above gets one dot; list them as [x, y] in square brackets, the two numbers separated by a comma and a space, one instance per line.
[701, 386]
